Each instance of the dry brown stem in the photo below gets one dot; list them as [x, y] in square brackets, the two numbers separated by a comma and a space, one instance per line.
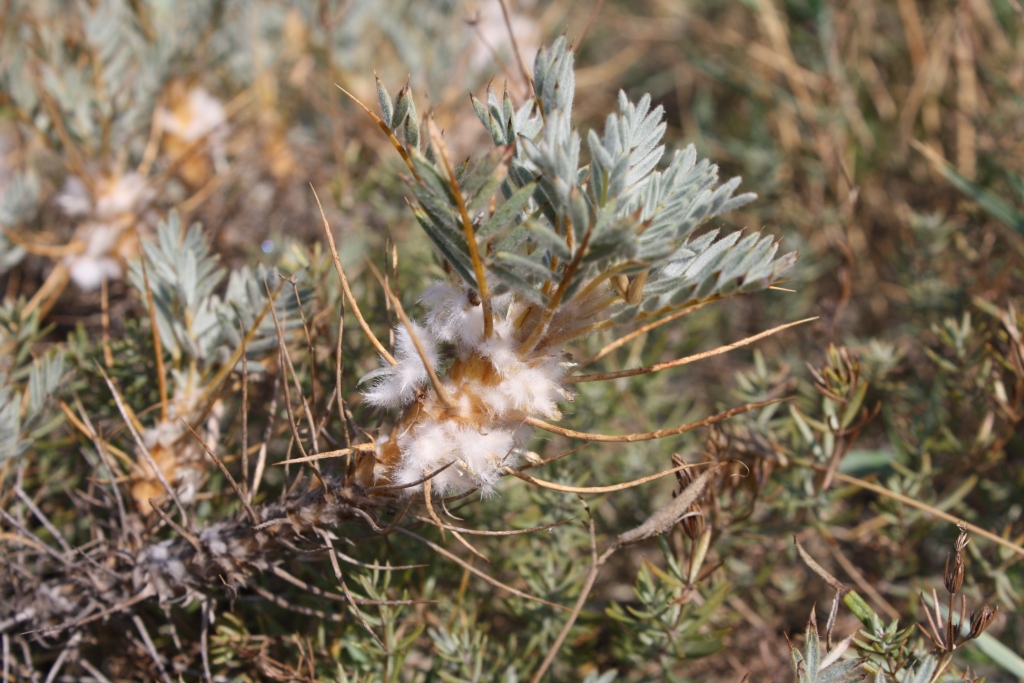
[649, 436]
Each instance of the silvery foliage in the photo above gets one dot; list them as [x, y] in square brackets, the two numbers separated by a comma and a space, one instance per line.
[426, 37]
[19, 196]
[620, 211]
[193, 320]
[102, 66]
[922, 672]
[26, 384]
[98, 66]
[137, 47]
[810, 667]
[141, 44]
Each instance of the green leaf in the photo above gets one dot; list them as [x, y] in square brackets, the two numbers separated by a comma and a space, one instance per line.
[991, 204]
[546, 237]
[386, 106]
[522, 264]
[508, 211]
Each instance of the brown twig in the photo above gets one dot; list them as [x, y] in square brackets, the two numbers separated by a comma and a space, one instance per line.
[30, 504]
[307, 611]
[85, 425]
[299, 583]
[227, 475]
[191, 538]
[597, 377]
[261, 458]
[489, 579]
[151, 648]
[467, 223]
[384, 127]
[245, 416]
[595, 566]
[881, 490]
[441, 525]
[597, 489]
[626, 338]
[338, 368]
[397, 487]
[35, 539]
[435, 381]
[341, 582]
[527, 79]
[141, 445]
[216, 384]
[290, 367]
[348, 292]
[649, 436]
[158, 350]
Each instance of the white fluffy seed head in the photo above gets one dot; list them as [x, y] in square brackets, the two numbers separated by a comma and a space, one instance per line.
[482, 431]
[97, 261]
[395, 386]
[454, 314]
[114, 196]
[197, 116]
[89, 272]
[121, 195]
[477, 456]
[74, 199]
[531, 387]
[116, 201]
[451, 316]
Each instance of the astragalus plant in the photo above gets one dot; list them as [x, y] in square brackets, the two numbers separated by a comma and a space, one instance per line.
[572, 248]
[541, 250]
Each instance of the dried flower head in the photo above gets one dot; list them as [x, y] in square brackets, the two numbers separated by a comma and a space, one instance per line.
[981, 620]
[693, 523]
[953, 576]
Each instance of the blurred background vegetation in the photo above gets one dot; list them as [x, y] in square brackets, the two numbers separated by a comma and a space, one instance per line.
[886, 143]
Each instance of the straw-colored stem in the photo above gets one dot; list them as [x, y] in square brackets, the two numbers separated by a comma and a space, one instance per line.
[75, 160]
[290, 367]
[906, 500]
[581, 332]
[47, 294]
[626, 338]
[596, 489]
[588, 585]
[467, 227]
[588, 288]
[384, 127]
[158, 350]
[473, 570]
[556, 300]
[597, 377]
[215, 385]
[647, 436]
[240, 101]
[348, 291]
[141, 445]
[227, 475]
[439, 389]
[440, 525]
[358, 448]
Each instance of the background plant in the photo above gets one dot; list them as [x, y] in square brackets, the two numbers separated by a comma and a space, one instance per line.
[816, 106]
